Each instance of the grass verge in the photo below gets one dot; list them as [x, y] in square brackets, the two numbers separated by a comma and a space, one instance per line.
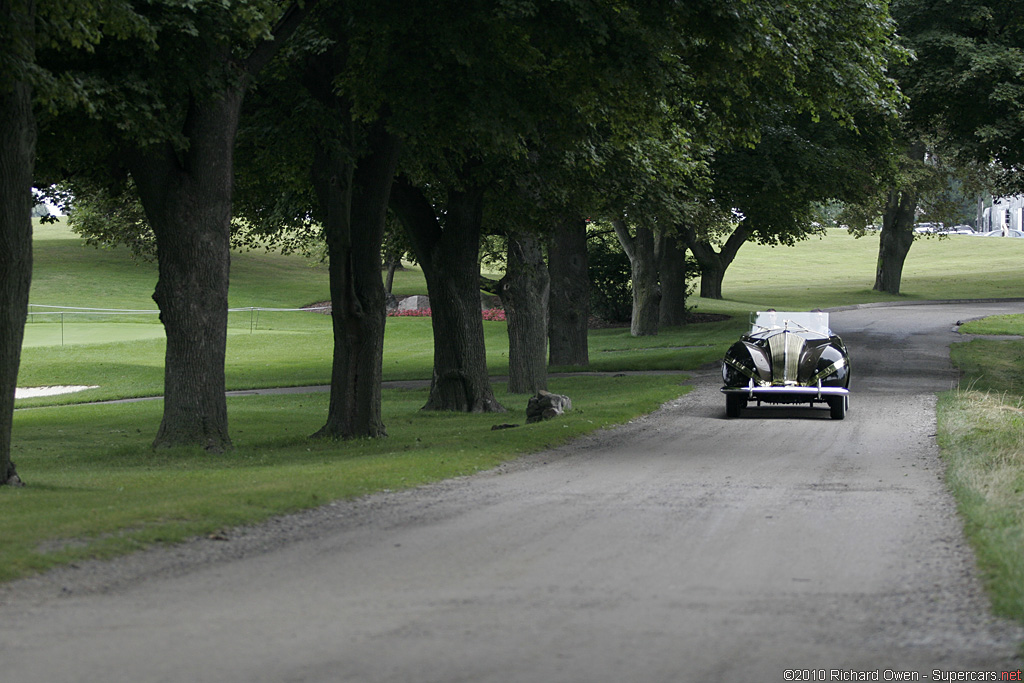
[981, 436]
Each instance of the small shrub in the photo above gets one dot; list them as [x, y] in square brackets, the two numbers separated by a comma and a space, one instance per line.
[611, 293]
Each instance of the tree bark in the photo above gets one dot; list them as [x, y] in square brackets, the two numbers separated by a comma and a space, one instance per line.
[187, 199]
[524, 293]
[389, 281]
[569, 300]
[894, 240]
[897, 235]
[186, 194]
[673, 282]
[643, 260]
[713, 264]
[449, 256]
[17, 159]
[354, 203]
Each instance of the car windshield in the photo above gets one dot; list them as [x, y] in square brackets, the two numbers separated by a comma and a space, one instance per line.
[815, 322]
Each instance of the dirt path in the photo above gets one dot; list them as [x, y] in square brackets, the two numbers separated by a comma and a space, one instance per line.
[681, 547]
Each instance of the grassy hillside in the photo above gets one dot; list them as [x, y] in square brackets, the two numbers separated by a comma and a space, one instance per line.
[840, 269]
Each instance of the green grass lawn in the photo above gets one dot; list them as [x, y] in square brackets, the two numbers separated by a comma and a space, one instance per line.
[96, 488]
[840, 270]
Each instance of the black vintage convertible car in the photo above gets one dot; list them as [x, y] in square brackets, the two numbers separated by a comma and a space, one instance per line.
[787, 357]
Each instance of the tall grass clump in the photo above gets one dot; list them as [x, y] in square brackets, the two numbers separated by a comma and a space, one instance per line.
[982, 442]
[981, 435]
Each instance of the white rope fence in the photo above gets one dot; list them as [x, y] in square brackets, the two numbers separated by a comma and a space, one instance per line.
[42, 310]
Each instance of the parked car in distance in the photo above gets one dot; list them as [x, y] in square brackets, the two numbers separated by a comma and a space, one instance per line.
[956, 230]
[1000, 233]
[787, 357]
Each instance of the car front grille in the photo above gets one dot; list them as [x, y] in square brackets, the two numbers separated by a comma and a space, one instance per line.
[786, 349]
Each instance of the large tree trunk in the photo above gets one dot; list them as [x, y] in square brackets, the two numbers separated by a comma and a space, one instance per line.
[569, 300]
[897, 233]
[389, 280]
[894, 240]
[524, 294]
[17, 159]
[186, 194]
[449, 257]
[187, 199]
[643, 260]
[354, 205]
[673, 282]
[713, 264]
[711, 276]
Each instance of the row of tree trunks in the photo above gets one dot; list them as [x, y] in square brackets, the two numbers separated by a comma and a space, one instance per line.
[569, 300]
[354, 205]
[17, 159]
[449, 256]
[524, 292]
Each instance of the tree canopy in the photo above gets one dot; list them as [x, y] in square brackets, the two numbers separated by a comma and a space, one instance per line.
[964, 82]
[608, 106]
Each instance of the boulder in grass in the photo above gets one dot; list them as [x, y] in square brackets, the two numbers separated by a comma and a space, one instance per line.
[546, 405]
[414, 303]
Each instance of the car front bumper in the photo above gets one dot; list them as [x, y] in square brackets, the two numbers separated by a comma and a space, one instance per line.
[786, 394]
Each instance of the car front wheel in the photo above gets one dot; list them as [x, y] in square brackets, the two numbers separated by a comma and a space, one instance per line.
[734, 403]
[837, 407]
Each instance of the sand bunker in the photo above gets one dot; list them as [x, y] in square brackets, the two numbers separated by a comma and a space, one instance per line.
[31, 392]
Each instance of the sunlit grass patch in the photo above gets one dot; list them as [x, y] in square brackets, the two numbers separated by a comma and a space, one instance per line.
[982, 440]
[995, 324]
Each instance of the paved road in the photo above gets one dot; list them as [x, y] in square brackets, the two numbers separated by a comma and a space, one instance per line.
[681, 547]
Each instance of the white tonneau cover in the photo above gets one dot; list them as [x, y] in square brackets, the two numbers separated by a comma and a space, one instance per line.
[815, 322]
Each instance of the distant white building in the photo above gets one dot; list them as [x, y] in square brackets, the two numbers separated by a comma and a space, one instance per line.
[43, 206]
[1005, 214]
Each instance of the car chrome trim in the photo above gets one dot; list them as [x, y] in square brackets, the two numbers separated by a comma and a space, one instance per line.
[808, 391]
[831, 369]
[786, 349]
[744, 370]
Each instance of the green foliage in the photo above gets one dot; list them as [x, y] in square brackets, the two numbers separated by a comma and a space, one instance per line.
[611, 296]
[798, 162]
[964, 83]
[106, 220]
